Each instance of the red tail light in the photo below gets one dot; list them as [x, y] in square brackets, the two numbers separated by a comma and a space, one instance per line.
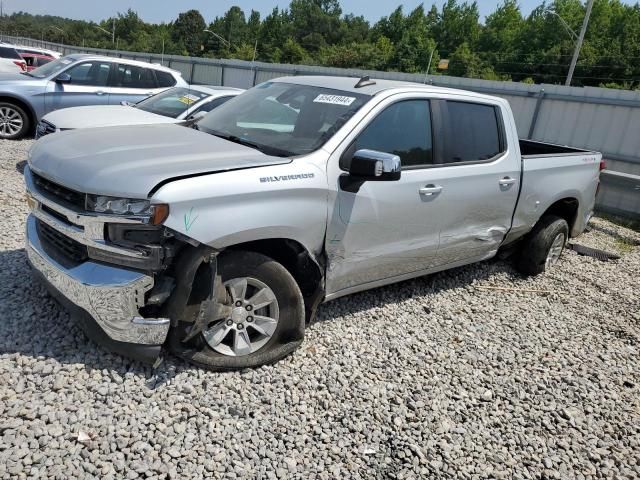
[603, 165]
[22, 65]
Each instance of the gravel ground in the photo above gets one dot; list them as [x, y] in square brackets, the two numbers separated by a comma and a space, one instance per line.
[436, 377]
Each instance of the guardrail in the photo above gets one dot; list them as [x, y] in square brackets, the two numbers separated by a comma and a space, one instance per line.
[600, 119]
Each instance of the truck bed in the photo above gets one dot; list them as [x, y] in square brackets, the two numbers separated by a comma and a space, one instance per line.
[531, 148]
[555, 173]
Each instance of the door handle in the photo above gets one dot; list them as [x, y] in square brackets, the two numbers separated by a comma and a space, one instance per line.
[100, 92]
[507, 181]
[430, 189]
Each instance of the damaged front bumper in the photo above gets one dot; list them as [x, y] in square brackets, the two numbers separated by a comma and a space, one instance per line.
[106, 300]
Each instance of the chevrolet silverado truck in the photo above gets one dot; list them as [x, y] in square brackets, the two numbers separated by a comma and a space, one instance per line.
[218, 243]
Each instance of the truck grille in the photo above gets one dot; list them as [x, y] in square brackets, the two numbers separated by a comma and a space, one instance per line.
[45, 128]
[60, 194]
[61, 248]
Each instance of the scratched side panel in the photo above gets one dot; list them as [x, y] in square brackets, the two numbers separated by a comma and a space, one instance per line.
[227, 208]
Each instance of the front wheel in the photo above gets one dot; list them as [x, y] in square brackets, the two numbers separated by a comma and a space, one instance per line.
[542, 247]
[261, 320]
[14, 121]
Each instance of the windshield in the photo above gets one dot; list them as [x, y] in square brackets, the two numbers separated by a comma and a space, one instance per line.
[172, 102]
[283, 117]
[51, 68]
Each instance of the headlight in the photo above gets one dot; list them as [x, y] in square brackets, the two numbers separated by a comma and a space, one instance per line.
[128, 206]
[118, 206]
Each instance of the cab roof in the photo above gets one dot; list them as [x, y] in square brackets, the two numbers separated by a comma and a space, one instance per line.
[348, 84]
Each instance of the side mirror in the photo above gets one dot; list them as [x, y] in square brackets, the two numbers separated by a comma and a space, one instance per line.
[197, 116]
[63, 78]
[375, 166]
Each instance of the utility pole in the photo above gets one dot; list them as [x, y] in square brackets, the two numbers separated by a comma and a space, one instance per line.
[576, 54]
[429, 66]
[255, 51]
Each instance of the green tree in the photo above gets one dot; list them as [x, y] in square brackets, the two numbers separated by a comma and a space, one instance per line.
[465, 63]
[272, 35]
[188, 30]
[293, 52]
[457, 24]
[315, 23]
[391, 27]
[414, 49]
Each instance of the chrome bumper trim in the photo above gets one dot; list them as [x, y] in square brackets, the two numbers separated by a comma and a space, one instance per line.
[111, 295]
[84, 227]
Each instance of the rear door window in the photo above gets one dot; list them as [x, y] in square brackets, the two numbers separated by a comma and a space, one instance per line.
[165, 79]
[473, 132]
[133, 76]
[6, 52]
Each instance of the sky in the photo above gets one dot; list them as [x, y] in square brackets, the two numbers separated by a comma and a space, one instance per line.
[167, 10]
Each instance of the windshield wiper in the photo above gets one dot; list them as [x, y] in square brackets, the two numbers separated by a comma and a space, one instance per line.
[27, 73]
[266, 149]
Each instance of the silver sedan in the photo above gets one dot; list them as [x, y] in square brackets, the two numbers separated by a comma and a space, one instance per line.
[182, 105]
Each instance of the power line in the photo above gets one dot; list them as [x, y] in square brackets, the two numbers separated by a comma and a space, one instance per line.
[531, 74]
[564, 65]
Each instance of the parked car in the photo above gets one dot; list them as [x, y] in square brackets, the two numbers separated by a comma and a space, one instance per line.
[219, 243]
[35, 60]
[11, 61]
[77, 80]
[181, 105]
[21, 49]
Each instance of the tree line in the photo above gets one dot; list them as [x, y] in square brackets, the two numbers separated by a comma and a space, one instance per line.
[449, 40]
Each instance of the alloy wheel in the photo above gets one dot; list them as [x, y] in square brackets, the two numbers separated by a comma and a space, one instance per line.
[556, 250]
[11, 122]
[249, 320]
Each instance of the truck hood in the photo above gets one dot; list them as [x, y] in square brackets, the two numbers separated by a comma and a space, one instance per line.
[130, 161]
[103, 116]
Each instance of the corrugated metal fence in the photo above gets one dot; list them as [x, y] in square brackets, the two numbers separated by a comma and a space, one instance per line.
[595, 118]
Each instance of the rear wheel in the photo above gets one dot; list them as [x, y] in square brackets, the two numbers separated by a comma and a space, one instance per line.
[260, 320]
[14, 121]
[543, 246]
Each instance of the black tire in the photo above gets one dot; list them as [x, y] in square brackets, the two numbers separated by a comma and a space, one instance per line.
[287, 336]
[536, 245]
[14, 109]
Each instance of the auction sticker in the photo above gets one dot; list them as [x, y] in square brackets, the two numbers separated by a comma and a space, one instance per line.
[189, 99]
[334, 99]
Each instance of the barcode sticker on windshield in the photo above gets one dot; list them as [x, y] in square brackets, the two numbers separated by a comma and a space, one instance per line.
[334, 99]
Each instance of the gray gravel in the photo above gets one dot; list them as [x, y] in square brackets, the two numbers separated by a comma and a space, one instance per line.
[437, 377]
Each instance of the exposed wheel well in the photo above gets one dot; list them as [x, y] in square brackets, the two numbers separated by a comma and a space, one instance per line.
[566, 208]
[25, 106]
[297, 260]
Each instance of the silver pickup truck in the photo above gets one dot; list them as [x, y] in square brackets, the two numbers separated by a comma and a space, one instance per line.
[218, 243]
